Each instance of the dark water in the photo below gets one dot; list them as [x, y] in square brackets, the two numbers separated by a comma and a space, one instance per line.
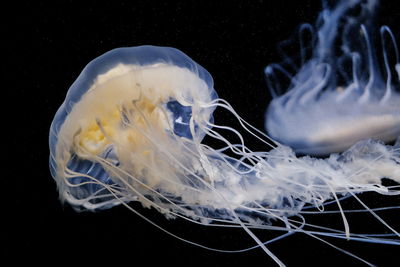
[48, 45]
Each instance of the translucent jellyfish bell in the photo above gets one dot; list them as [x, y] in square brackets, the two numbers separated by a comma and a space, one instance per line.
[336, 98]
[131, 129]
[147, 86]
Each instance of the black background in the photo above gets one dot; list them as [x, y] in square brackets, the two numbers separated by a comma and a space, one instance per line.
[47, 46]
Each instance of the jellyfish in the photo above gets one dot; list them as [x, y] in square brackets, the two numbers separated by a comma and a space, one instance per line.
[131, 129]
[342, 87]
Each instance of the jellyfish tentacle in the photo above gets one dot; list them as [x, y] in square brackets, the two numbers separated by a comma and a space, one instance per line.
[275, 88]
[371, 72]
[305, 27]
[312, 94]
[385, 30]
